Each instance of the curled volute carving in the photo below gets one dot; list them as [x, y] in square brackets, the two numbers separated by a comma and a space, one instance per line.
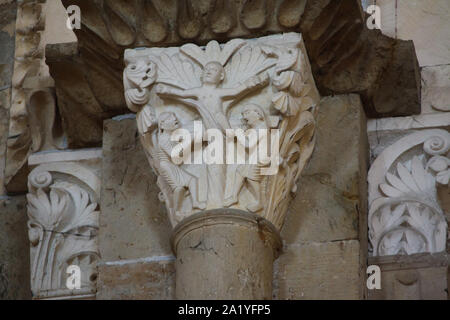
[405, 215]
[62, 228]
[263, 84]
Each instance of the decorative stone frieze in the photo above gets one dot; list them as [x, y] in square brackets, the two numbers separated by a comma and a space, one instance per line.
[63, 212]
[405, 215]
[258, 84]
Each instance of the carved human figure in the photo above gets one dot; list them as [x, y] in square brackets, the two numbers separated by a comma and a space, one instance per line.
[177, 178]
[208, 99]
[254, 119]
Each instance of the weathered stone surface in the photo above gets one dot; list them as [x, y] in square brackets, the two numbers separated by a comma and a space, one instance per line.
[415, 277]
[388, 11]
[133, 223]
[347, 57]
[326, 223]
[14, 250]
[8, 10]
[5, 98]
[426, 22]
[35, 124]
[225, 254]
[137, 281]
[331, 194]
[436, 89]
[319, 271]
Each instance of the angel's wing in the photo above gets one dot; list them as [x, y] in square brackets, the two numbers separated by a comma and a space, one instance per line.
[247, 62]
[172, 70]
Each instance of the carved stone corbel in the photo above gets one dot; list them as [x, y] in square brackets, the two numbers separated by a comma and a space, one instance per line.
[63, 212]
[236, 89]
[405, 215]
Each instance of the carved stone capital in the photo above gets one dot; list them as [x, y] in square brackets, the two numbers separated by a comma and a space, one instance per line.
[63, 212]
[405, 214]
[217, 97]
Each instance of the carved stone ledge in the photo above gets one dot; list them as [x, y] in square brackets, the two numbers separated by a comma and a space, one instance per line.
[406, 215]
[64, 192]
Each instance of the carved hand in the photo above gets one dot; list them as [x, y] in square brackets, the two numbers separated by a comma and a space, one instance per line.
[163, 90]
[257, 81]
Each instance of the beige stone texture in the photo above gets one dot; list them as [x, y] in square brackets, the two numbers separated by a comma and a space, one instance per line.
[427, 23]
[56, 30]
[415, 277]
[327, 205]
[225, 254]
[319, 271]
[14, 250]
[388, 17]
[137, 281]
[133, 222]
[436, 89]
[326, 223]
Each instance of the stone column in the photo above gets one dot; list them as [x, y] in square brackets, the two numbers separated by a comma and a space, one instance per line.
[226, 215]
[225, 254]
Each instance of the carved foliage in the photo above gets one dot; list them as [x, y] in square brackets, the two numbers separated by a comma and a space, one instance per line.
[262, 84]
[62, 228]
[408, 218]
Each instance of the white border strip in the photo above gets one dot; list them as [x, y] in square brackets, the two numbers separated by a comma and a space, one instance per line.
[140, 260]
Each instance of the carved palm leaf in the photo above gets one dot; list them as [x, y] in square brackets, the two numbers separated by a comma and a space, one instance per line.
[172, 70]
[247, 62]
[415, 184]
[83, 212]
[47, 210]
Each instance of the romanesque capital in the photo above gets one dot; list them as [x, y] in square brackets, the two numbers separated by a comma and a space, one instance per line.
[63, 213]
[227, 125]
[405, 214]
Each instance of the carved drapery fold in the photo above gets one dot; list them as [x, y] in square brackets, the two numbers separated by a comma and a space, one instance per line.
[264, 83]
[405, 215]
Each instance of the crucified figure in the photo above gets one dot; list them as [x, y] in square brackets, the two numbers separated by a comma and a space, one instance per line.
[209, 98]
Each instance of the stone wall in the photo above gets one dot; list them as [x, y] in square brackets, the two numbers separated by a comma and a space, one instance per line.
[325, 230]
[14, 249]
[137, 262]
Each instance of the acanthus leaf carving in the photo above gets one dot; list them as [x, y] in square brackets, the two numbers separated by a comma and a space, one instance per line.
[405, 216]
[63, 224]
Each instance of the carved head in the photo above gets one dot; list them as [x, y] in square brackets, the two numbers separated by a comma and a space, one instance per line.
[252, 115]
[168, 121]
[213, 73]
